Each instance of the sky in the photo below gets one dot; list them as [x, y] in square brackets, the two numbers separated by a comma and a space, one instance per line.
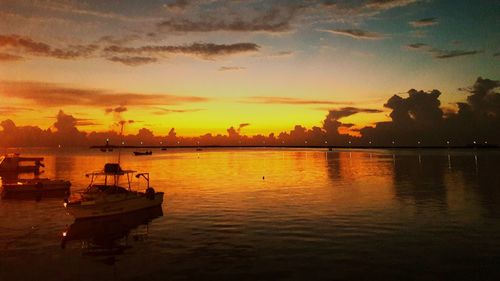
[205, 66]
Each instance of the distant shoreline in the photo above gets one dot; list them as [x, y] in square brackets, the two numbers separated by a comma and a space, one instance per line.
[293, 146]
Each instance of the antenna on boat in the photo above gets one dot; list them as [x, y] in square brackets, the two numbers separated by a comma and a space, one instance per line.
[121, 140]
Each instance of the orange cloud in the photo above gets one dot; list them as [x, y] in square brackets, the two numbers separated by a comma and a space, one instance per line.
[50, 94]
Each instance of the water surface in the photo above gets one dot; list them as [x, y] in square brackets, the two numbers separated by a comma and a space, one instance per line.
[270, 215]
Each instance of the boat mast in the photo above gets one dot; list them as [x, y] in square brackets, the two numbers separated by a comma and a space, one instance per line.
[121, 140]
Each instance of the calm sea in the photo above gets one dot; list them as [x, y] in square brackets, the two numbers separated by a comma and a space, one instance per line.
[269, 215]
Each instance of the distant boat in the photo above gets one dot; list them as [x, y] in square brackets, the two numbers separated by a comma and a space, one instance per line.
[163, 148]
[199, 149]
[141, 153]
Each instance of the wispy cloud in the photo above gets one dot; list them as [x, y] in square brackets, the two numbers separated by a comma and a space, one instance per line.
[118, 109]
[203, 50]
[50, 94]
[388, 4]
[132, 60]
[447, 54]
[13, 110]
[424, 22]
[164, 111]
[417, 46]
[231, 68]
[20, 44]
[348, 111]
[280, 54]
[177, 5]
[274, 19]
[356, 33]
[441, 53]
[10, 57]
[287, 100]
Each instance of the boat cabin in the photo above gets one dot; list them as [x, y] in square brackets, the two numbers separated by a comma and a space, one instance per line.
[108, 179]
[13, 163]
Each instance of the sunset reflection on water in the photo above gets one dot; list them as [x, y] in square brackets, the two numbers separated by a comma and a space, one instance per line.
[267, 214]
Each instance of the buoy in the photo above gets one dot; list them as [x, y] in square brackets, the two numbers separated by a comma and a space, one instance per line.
[263, 177]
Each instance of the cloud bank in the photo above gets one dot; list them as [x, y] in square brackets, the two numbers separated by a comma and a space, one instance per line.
[417, 119]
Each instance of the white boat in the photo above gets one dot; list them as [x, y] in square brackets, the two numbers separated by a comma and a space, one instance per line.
[109, 198]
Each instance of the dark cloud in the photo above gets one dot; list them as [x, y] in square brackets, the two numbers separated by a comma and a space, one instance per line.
[164, 111]
[348, 111]
[204, 50]
[177, 5]
[447, 54]
[440, 53]
[356, 33]
[424, 22]
[10, 57]
[243, 125]
[16, 46]
[287, 100]
[275, 19]
[388, 4]
[118, 109]
[417, 46]
[132, 60]
[28, 46]
[332, 123]
[231, 68]
[50, 94]
[281, 54]
[419, 118]
[484, 99]
[109, 39]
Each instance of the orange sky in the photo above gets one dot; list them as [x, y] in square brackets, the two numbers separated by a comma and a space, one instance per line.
[273, 66]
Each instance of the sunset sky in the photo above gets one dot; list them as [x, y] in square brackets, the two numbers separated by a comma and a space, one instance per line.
[204, 66]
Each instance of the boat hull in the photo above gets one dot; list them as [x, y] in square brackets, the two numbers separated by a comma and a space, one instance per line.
[42, 187]
[103, 208]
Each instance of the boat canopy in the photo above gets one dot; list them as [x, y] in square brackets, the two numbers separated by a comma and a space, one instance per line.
[111, 169]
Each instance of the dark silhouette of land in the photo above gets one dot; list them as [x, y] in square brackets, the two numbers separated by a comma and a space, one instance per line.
[477, 146]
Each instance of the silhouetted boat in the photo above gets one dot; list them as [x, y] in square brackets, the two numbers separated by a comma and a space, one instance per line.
[107, 147]
[109, 198]
[164, 148]
[141, 153]
[35, 188]
[12, 163]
